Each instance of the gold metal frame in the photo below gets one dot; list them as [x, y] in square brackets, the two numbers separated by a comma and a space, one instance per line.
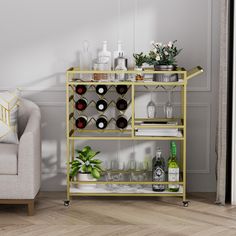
[70, 82]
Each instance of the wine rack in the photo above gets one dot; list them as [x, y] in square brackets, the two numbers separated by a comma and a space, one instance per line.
[112, 132]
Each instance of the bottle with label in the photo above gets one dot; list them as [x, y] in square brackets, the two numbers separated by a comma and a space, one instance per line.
[81, 122]
[81, 104]
[158, 171]
[101, 105]
[104, 56]
[121, 104]
[101, 89]
[173, 169]
[121, 66]
[81, 89]
[117, 53]
[101, 122]
[121, 89]
[121, 122]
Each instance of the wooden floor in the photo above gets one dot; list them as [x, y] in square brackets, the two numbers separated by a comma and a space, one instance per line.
[119, 216]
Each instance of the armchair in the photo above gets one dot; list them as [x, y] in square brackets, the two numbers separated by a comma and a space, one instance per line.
[20, 164]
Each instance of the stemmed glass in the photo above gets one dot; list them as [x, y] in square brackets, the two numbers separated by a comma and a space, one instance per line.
[168, 107]
[151, 108]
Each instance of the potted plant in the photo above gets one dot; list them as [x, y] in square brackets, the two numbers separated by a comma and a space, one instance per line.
[163, 58]
[140, 59]
[86, 167]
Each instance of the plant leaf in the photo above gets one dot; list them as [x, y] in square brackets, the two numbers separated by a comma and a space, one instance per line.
[95, 173]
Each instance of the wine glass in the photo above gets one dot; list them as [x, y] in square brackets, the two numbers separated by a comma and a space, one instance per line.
[168, 108]
[151, 108]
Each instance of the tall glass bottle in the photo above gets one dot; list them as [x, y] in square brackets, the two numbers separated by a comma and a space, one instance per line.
[121, 66]
[158, 171]
[104, 56]
[85, 60]
[173, 169]
[117, 53]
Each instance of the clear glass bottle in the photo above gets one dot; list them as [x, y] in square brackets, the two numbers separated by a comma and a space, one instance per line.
[85, 60]
[104, 56]
[121, 66]
[168, 108]
[158, 171]
[173, 169]
[117, 53]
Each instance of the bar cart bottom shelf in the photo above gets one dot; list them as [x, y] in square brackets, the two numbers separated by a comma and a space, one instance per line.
[103, 191]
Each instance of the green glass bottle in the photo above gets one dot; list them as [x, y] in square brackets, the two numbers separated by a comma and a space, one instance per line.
[173, 169]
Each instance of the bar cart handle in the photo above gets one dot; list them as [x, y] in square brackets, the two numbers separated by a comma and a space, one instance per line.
[194, 72]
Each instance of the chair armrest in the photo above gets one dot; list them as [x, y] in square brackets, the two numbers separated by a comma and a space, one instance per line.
[29, 153]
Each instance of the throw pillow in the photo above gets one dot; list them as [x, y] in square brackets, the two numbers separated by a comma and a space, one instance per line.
[8, 116]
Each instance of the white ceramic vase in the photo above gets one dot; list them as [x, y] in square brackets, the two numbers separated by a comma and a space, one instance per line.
[86, 177]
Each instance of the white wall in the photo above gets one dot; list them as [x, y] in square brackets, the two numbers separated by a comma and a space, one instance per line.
[40, 39]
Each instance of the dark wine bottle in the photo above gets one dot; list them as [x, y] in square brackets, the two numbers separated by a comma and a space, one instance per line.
[101, 89]
[81, 89]
[81, 104]
[101, 122]
[121, 89]
[81, 122]
[121, 122]
[101, 105]
[121, 104]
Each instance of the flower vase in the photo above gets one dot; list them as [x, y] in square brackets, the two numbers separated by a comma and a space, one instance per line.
[165, 77]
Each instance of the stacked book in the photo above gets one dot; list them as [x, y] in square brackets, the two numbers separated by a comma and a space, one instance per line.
[147, 130]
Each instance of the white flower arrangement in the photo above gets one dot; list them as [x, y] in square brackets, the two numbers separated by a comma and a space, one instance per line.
[163, 54]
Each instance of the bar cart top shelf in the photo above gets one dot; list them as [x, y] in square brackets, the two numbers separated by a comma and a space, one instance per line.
[184, 75]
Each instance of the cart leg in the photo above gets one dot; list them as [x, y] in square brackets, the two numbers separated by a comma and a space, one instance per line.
[185, 203]
[66, 203]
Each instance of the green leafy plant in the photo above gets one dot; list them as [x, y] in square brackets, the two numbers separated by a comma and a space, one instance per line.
[140, 58]
[85, 163]
[163, 54]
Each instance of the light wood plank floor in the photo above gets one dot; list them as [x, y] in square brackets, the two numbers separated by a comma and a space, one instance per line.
[119, 216]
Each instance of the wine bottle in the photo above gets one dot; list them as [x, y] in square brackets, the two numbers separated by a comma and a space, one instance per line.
[81, 122]
[158, 171]
[101, 105]
[121, 122]
[121, 104]
[81, 89]
[173, 169]
[101, 89]
[81, 104]
[121, 89]
[101, 122]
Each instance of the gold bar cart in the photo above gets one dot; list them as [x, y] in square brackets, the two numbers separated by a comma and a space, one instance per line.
[73, 133]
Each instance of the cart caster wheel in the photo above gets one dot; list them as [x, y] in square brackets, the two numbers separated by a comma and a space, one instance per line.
[185, 203]
[66, 203]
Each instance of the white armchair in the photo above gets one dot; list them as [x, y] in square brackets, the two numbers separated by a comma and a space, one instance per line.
[20, 164]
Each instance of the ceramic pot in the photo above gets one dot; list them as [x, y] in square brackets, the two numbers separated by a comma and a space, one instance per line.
[165, 77]
[86, 177]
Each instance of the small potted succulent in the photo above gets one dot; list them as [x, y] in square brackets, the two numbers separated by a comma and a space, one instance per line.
[163, 58]
[86, 167]
[140, 59]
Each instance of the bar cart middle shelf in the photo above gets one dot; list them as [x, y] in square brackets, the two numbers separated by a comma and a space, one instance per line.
[73, 79]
